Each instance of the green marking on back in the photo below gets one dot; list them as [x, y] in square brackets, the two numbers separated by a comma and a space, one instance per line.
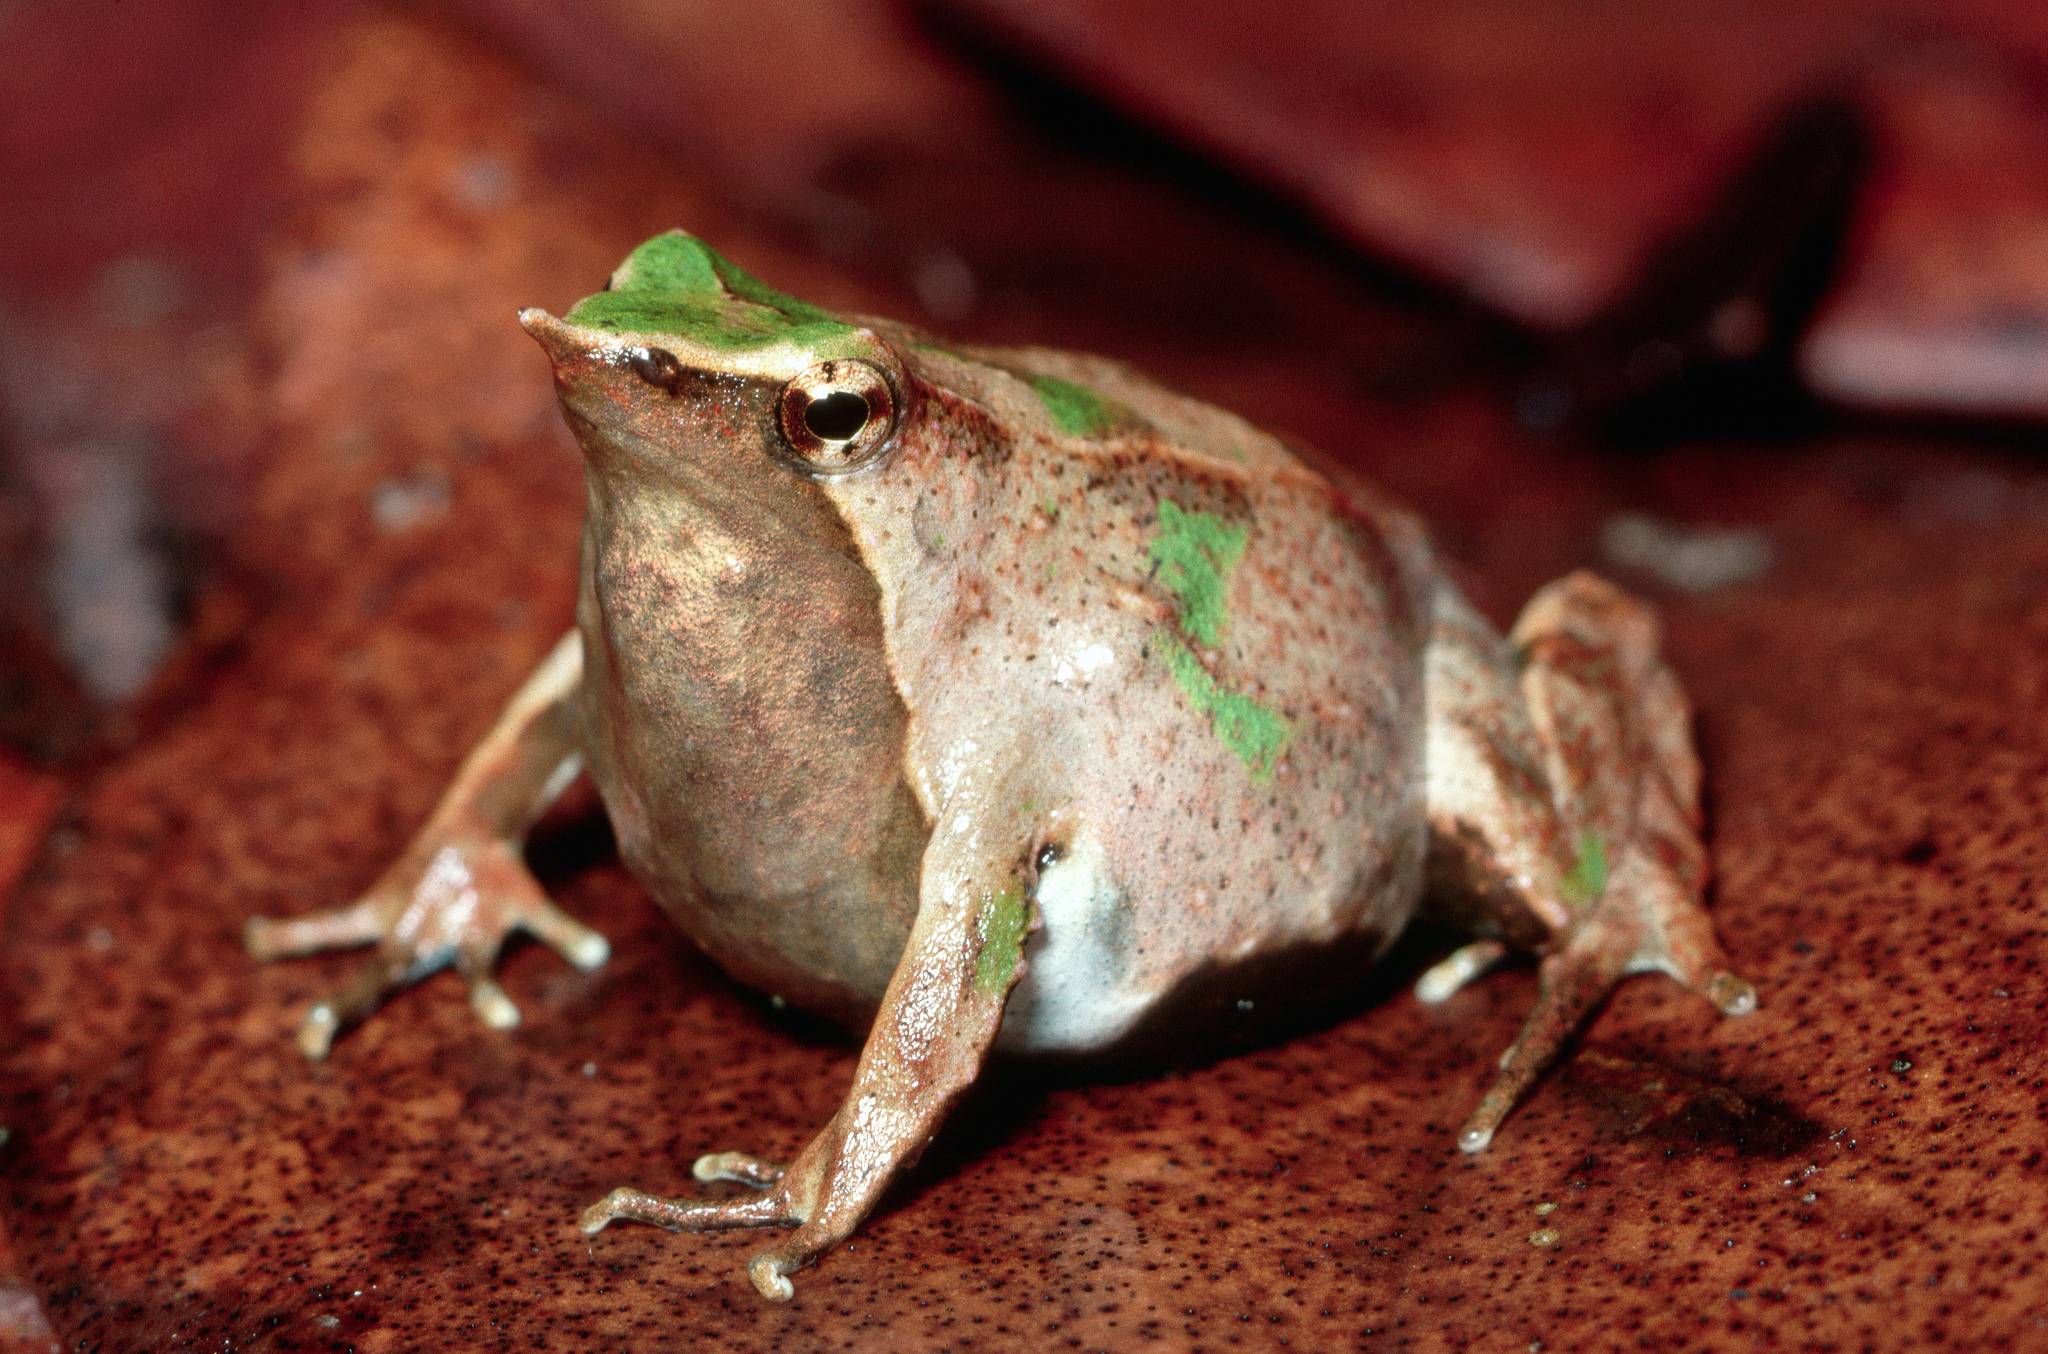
[1004, 922]
[677, 284]
[1195, 554]
[1076, 410]
[1588, 879]
[1256, 734]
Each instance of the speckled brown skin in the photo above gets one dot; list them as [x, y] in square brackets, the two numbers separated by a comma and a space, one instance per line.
[862, 724]
[1009, 552]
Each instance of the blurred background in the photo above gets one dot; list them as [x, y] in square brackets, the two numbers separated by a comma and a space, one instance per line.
[236, 224]
[1743, 302]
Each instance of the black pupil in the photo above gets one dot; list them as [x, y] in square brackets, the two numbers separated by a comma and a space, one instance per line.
[836, 417]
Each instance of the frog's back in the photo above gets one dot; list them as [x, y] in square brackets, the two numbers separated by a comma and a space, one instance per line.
[1137, 413]
[1143, 621]
[1129, 401]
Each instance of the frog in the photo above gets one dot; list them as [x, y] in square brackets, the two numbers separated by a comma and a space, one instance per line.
[1003, 701]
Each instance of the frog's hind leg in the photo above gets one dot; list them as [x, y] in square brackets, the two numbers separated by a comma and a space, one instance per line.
[1618, 873]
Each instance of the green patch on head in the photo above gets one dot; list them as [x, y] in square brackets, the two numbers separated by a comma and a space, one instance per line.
[677, 284]
[1004, 922]
[1076, 410]
[1195, 554]
[1256, 734]
[1588, 879]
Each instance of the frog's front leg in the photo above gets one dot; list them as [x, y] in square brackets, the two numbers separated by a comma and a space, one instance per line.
[933, 1030]
[1565, 801]
[462, 886]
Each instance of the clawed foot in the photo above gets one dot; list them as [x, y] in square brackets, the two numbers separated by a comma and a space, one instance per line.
[456, 905]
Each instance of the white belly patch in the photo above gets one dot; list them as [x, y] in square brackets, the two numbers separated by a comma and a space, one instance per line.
[1078, 990]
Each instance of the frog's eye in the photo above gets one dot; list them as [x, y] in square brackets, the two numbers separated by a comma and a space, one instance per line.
[836, 416]
[656, 366]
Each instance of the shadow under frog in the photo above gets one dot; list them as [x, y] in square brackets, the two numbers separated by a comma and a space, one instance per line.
[1003, 699]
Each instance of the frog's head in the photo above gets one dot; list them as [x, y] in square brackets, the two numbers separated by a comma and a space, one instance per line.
[687, 365]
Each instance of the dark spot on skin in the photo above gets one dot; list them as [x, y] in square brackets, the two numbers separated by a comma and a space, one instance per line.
[658, 367]
[1648, 1099]
[1921, 851]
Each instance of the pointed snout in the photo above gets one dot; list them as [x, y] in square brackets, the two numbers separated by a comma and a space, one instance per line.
[551, 333]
